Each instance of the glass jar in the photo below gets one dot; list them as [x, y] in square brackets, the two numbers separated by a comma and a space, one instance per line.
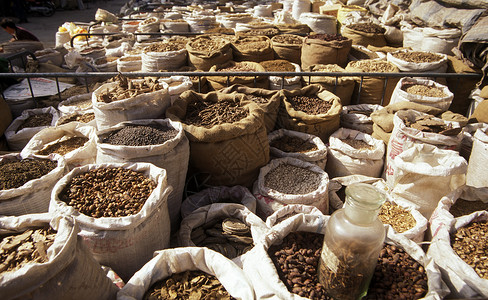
[353, 240]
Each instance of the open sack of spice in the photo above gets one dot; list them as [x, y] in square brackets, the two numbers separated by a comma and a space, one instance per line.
[121, 210]
[230, 229]
[218, 194]
[289, 180]
[80, 102]
[30, 122]
[188, 273]
[304, 146]
[458, 247]
[128, 99]
[27, 182]
[286, 213]
[352, 152]
[44, 258]
[160, 142]
[227, 136]
[289, 246]
[403, 216]
[74, 141]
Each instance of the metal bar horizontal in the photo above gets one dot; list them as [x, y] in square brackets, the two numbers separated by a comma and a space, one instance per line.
[168, 74]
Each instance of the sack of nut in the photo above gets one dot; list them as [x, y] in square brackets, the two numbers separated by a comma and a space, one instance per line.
[44, 258]
[458, 247]
[202, 273]
[27, 182]
[230, 229]
[121, 209]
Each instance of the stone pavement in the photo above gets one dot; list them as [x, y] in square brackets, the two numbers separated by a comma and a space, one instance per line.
[45, 27]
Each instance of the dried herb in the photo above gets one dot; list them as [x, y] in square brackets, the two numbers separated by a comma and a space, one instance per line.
[208, 114]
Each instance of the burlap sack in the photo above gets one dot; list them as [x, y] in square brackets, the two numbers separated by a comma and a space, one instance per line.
[252, 48]
[316, 51]
[5, 116]
[342, 86]
[270, 108]
[231, 153]
[364, 38]
[322, 125]
[220, 82]
[481, 112]
[293, 28]
[372, 87]
[203, 59]
[289, 52]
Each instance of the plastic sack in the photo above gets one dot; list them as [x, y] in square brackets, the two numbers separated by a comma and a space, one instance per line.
[476, 175]
[17, 139]
[343, 159]
[440, 102]
[318, 157]
[69, 106]
[320, 24]
[358, 117]
[32, 197]
[69, 264]
[177, 260]
[113, 240]
[270, 200]
[276, 82]
[439, 66]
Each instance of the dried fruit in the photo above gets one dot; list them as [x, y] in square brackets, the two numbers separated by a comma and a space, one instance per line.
[30, 246]
[193, 285]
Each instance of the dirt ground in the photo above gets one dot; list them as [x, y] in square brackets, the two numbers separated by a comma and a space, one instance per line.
[45, 27]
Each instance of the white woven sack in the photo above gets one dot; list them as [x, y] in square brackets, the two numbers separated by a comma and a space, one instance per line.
[343, 159]
[477, 174]
[175, 91]
[172, 261]
[201, 23]
[173, 156]
[417, 232]
[265, 11]
[124, 244]
[218, 194]
[206, 214]
[92, 123]
[319, 23]
[467, 142]
[108, 66]
[130, 28]
[293, 83]
[231, 20]
[405, 66]
[437, 289]
[243, 27]
[69, 106]
[129, 65]
[461, 278]
[33, 197]
[400, 95]
[412, 37]
[318, 157]
[70, 272]
[172, 26]
[403, 138]
[62, 38]
[270, 200]
[152, 25]
[286, 213]
[440, 40]
[84, 155]
[425, 173]
[18, 139]
[265, 279]
[352, 118]
[170, 60]
[146, 106]
[299, 7]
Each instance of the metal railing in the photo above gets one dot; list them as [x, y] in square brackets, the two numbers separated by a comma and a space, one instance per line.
[306, 76]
